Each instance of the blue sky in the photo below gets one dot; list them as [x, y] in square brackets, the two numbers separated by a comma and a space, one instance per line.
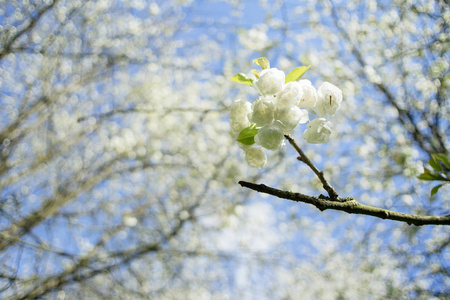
[216, 20]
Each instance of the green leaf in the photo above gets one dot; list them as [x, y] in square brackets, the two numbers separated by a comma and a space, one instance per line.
[256, 72]
[434, 163]
[436, 189]
[242, 78]
[296, 74]
[247, 135]
[262, 62]
[443, 158]
[428, 175]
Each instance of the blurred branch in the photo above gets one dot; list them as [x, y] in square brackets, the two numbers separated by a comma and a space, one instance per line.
[33, 21]
[405, 115]
[41, 102]
[151, 110]
[83, 270]
[51, 205]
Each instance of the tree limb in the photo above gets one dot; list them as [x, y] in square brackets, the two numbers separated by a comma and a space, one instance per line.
[165, 110]
[349, 205]
[333, 201]
[28, 28]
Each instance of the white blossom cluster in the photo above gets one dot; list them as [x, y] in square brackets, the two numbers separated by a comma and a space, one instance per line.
[280, 108]
[255, 39]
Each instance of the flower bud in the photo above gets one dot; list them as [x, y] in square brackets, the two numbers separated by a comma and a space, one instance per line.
[263, 112]
[256, 157]
[270, 82]
[330, 99]
[288, 118]
[270, 137]
[309, 95]
[318, 131]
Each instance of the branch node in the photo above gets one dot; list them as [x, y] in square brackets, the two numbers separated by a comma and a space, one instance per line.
[323, 197]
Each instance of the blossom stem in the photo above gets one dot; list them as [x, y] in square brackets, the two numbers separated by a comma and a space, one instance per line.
[303, 158]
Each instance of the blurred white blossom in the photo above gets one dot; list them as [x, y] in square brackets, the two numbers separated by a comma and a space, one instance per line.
[255, 157]
[254, 39]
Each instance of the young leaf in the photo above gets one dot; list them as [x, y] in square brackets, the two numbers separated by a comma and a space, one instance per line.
[262, 62]
[247, 135]
[256, 72]
[428, 175]
[443, 158]
[242, 78]
[436, 189]
[296, 74]
[434, 163]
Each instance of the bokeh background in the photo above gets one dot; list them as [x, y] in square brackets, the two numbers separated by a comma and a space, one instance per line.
[119, 170]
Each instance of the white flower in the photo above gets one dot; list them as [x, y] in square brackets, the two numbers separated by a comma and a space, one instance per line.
[239, 111]
[270, 82]
[309, 97]
[318, 131]
[290, 95]
[263, 112]
[239, 126]
[256, 157]
[288, 118]
[270, 137]
[330, 99]
[244, 146]
[154, 9]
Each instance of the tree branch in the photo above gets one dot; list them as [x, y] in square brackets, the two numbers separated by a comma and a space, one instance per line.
[349, 205]
[164, 110]
[28, 28]
[303, 158]
[405, 115]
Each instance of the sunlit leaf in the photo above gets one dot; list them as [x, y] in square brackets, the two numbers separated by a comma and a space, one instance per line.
[262, 62]
[296, 74]
[435, 189]
[428, 175]
[256, 72]
[247, 135]
[242, 78]
[443, 158]
[434, 163]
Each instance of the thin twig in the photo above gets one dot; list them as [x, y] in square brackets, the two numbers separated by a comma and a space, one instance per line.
[28, 28]
[303, 158]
